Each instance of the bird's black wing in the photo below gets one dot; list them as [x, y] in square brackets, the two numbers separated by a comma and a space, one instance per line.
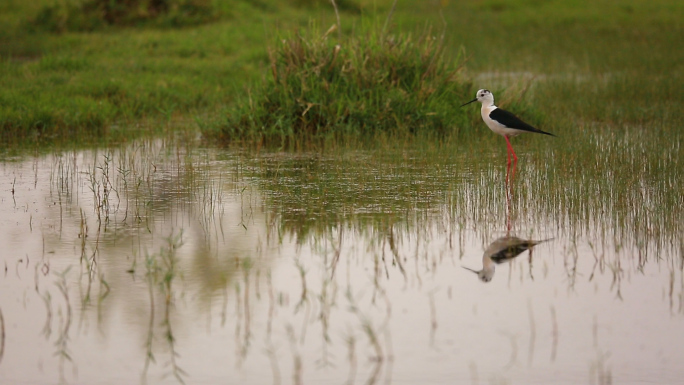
[511, 251]
[511, 121]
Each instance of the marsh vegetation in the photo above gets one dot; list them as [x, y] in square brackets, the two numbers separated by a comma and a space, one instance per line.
[202, 261]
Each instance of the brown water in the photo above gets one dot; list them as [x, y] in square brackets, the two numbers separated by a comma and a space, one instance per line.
[157, 262]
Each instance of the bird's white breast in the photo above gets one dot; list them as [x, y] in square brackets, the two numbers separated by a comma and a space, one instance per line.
[494, 125]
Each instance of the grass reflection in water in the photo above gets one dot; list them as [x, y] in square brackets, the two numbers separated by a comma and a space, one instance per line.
[341, 264]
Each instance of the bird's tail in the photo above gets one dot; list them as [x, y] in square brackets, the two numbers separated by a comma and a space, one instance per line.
[535, 243]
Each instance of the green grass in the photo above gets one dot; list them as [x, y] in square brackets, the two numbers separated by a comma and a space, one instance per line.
[566, 65]
[613, 62]
[74, 84]
[90, 15]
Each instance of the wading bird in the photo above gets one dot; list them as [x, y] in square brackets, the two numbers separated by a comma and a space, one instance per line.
[502, 250]
[501, 121]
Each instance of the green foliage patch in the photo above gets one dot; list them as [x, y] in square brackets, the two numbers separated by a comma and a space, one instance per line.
[368, 83]
[566, 66]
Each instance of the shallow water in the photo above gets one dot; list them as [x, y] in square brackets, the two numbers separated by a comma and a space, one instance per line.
[159, 262]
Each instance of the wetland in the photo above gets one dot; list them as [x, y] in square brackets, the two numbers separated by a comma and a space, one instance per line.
[165, 260]
[138, 245]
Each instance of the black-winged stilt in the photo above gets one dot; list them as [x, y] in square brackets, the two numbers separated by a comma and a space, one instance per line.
[501, 121]
[502, 250]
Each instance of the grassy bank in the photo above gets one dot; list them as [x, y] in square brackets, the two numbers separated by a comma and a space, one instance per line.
[79, 84]
[566, 66]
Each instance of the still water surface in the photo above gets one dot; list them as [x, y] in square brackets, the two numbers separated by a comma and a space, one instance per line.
[161, 262]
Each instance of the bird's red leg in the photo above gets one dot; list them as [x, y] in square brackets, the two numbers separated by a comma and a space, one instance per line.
[515, 164]
[515, 157]
[508, 151]
[509, 196]
[509, 193]
[510, 148]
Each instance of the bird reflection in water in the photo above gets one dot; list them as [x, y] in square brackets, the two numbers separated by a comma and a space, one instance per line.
[502, 250]
[506, 248]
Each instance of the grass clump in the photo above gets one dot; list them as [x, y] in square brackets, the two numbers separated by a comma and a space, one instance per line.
[366, 84]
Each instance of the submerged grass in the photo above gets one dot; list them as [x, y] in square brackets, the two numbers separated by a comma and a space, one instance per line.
[382, 195]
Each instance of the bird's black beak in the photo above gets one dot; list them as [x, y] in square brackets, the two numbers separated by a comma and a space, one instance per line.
[465, 104]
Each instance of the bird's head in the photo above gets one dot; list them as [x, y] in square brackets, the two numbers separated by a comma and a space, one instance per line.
[483, 96]
[485, 275]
